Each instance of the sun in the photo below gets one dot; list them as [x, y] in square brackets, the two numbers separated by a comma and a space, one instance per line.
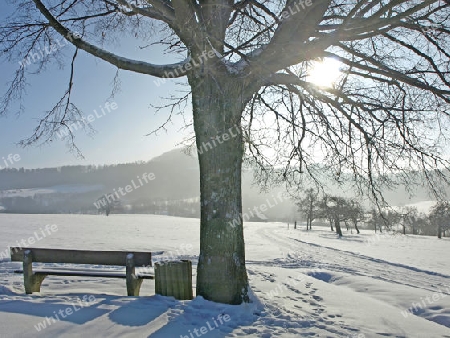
[324, 73]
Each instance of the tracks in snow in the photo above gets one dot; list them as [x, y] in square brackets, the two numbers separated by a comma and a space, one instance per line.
[303, 255]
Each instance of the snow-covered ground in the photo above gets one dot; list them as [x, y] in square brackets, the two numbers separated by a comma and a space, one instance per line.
[304, 284]
[61, 189]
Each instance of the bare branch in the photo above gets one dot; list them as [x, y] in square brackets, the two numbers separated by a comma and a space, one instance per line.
[174, 70]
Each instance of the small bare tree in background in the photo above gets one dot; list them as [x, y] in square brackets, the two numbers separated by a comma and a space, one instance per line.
[355, 213]
[440, 217]
[308, 206]
[335, 209]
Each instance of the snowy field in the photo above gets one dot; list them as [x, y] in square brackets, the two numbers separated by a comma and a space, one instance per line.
[304, 284]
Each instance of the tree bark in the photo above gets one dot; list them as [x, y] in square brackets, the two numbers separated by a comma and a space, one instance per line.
[217, 107]
[310, 216]
[338, 227]
[309, 222]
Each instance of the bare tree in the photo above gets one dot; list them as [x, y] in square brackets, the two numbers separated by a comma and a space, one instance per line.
[246, 62]
[440, 216]
[421, 225]
[335, 209]
[308, 206]
[355, 213]
[376, 220]
[410, 218]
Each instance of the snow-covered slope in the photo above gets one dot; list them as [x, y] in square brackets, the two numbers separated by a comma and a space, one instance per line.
[62, 189]
[304, 284]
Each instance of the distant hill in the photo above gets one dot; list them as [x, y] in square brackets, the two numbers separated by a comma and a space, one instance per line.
[174, 189]
[167, 184]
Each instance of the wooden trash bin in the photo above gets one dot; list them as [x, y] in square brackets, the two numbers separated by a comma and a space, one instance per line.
[174, 278]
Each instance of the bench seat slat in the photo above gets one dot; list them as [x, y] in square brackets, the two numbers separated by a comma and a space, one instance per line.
[43, 255]
[143, 270]
[87, 273]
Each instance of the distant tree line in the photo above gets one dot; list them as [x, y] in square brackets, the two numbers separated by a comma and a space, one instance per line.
[341, 211]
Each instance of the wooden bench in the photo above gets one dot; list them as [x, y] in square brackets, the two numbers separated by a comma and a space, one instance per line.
[130, 260]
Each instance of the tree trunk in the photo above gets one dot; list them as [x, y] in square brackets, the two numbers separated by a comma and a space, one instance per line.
[310, 216]
[439, 231]
[217, 107]
[338, 227]
[331, 224]
[356, 227]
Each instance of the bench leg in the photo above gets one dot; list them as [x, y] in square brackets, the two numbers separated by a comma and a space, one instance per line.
[31, 281]
[134, 286]
[133, 283]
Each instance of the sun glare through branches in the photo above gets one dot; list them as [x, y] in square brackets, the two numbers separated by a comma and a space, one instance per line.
[324, 73]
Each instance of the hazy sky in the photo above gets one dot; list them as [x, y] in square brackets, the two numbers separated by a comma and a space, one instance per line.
[120, 133]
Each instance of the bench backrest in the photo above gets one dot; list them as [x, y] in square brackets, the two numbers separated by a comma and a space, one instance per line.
[82, 256]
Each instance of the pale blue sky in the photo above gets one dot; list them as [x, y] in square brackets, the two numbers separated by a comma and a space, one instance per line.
[120, 134]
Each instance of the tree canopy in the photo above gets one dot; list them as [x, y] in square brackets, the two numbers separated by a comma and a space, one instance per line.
[387, 112]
